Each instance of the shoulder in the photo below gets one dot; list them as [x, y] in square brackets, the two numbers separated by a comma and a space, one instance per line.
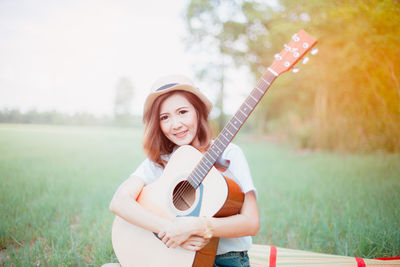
[148, 163]
[238, 169]
[235, 155]
[233, 146]
[148, 171]
[233, 150]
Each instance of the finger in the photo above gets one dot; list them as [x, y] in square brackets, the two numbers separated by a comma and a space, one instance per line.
[196, 248]
[170, 243]
[187, 247]
[194, 243]
[194, 239]
[200, 242]
[199, 239]
[165, 239]
[161, 234]
[190, 247]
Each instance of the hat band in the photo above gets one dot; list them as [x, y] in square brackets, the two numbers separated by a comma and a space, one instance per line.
[166, 86]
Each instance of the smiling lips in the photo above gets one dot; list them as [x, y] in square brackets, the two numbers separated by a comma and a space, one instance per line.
[181, 134]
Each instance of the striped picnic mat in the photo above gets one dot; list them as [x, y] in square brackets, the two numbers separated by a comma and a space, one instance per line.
[271, 256]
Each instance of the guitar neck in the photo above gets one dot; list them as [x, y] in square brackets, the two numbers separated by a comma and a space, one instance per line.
[231, 129]
[300, 44]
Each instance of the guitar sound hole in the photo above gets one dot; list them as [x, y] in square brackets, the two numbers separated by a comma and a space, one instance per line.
[184, 195]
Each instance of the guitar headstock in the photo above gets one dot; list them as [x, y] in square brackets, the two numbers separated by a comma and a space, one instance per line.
[300, 44]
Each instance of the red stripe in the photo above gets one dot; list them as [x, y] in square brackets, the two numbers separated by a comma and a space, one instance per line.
[360, 262]
[388, 259]
[272, 256]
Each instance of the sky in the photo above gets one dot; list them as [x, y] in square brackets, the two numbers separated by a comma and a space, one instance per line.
[69, 55]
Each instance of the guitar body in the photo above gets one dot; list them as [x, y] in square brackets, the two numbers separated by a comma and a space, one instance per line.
[216, 196]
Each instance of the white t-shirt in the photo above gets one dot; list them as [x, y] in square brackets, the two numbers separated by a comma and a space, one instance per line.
[238, 170]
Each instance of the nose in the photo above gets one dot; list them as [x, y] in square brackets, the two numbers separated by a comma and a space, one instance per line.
[176, 123]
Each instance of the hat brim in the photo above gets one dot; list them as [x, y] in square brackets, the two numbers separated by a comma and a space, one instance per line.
[178, 87]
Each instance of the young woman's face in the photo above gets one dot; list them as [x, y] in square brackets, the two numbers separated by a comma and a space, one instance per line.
[178, 120]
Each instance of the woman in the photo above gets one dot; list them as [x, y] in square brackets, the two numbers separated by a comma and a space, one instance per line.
[176, 114]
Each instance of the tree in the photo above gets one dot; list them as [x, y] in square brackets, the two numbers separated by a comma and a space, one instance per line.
[347, 98]
[124, 92]
[203, 20]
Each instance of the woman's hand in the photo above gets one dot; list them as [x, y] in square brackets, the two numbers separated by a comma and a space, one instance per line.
[181, 230]
[195, 243]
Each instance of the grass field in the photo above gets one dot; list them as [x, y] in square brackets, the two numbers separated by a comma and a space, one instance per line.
[57, 181]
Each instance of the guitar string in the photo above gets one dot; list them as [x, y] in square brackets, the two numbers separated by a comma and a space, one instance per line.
[207, 167]
[183, 189]
[263, 79]
[186, 187]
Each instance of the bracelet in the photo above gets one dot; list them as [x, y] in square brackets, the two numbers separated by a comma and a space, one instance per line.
[208, 233]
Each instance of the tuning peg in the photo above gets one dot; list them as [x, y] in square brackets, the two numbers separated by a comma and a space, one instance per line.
[295, 70]
[314, 51]
[277, 57]
[305, 60]
[295, 37]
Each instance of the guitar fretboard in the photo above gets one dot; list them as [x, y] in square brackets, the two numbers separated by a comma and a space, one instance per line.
[230, 130]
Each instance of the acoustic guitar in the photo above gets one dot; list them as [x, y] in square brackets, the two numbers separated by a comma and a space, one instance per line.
[191, 185]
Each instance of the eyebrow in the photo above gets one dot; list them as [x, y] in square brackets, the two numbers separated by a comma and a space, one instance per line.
[175, 110]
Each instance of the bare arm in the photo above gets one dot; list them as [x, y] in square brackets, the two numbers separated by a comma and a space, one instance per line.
[246, 223]
[124, 205]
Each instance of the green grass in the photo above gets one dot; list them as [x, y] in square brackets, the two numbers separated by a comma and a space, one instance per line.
[57, 181]
[332, 203]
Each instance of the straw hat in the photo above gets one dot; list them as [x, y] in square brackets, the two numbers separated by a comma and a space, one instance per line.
[172, 83]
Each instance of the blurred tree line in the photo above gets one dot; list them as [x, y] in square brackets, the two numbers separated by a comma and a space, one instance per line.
[54, 117]
[123, 116]
[346, 98]
[51, 117]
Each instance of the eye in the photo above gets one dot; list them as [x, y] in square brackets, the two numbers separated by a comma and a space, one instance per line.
[163, 117]
[183, 111]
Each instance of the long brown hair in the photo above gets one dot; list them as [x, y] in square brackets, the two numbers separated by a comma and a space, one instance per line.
[155, 143]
